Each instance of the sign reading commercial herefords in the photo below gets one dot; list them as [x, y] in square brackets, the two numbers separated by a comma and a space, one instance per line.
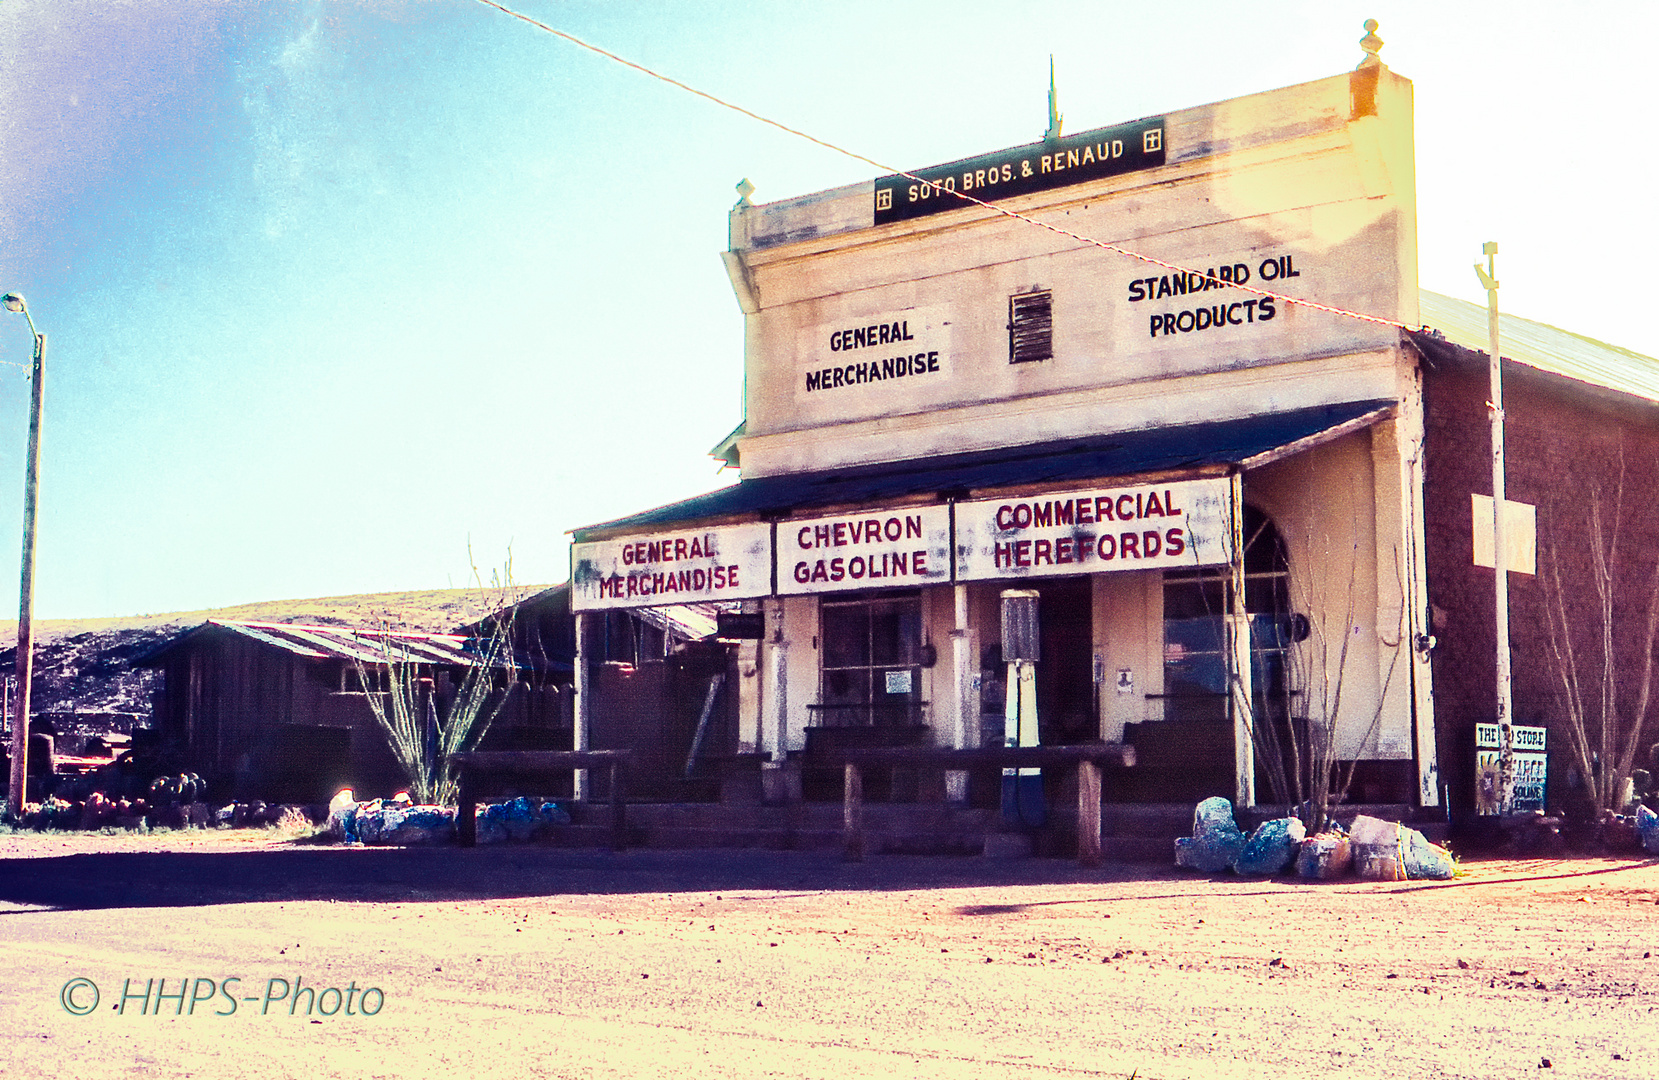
[1093, 530]
[727, 562]
[864, 550]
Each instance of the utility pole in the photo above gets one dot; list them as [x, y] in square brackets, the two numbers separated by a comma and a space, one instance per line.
[1500, 552]
[25, 636]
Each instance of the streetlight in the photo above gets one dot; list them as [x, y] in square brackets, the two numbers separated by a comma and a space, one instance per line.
[25, 639]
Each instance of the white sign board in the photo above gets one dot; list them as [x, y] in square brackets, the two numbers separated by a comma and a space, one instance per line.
[726, 562]
[1520, 534]
[1094, 530]
[1531, 764]
[864, 550]
[874, 364]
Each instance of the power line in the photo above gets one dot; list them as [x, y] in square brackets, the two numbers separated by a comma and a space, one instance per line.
[939, 189]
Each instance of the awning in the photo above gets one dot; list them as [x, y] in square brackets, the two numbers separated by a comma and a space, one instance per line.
[1245, 443]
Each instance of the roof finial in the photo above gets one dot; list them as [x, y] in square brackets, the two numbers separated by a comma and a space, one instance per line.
[1371, 43]
[744, 190]
[1053, 131]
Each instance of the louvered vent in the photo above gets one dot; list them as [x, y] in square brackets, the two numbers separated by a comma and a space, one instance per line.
[1030, 327]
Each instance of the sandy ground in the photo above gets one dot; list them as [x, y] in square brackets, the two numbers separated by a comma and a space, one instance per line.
[532, 962]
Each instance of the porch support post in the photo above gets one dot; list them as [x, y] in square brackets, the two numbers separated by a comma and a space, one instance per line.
[1238, 660]
[964, 732]
[852, 813]
[582, 735]
[1088, 812]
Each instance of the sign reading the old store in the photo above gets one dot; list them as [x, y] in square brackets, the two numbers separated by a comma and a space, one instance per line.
[863, 550]
[726, 562]
[1071, 159]
[1087, 531]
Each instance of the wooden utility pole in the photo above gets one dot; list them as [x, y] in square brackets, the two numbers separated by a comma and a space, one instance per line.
[25, 635]
[1500, 551]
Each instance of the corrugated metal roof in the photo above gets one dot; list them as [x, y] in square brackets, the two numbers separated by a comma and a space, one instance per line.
[369, 646]
[1107, 456]
[692, 622]
[1542, 346]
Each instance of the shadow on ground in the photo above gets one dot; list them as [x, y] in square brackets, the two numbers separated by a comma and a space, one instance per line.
[188, 879]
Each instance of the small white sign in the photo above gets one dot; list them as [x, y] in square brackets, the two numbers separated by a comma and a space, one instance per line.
[874, 362]
[863, 550]
[728, 562]
[1095, 530]
[1520, 534]
[898, 682]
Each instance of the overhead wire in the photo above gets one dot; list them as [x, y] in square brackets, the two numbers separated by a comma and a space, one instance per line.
[940, 189]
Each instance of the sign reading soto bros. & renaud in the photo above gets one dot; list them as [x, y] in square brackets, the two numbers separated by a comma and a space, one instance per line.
[1052, 163]
[1085, 530]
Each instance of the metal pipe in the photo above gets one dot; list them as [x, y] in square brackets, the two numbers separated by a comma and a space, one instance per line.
[1500, 553]
[25, 617]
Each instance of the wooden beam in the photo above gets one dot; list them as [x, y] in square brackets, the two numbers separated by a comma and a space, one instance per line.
[852, 812]
[1088, 812]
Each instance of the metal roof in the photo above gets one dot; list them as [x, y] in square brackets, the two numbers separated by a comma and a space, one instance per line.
[1246, 441]
[1539, 345]
[368, 646]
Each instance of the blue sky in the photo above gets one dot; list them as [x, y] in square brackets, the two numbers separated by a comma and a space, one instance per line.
[334, 288]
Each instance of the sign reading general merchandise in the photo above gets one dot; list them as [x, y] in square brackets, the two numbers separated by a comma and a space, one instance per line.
[1088, 530]
[864, 550]
[1054, 163]
[876, 360]
[725, 562]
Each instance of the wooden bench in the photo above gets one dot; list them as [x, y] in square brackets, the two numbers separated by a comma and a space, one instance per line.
[497, 773]
[1087, 758]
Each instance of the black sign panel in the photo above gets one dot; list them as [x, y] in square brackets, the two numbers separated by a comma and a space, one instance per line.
[1024, 169]
[739, 626]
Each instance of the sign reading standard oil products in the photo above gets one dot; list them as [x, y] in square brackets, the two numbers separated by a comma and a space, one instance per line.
[726, 562]
[1089, 531]
[1054, 163]
[864, 550]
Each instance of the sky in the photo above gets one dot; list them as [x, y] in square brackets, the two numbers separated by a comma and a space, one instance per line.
[350, 296]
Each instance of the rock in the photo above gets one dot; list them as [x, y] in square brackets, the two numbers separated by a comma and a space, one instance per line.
[342, 809]
[1215, 842]
[1619, 832]
[420, 825]
[1425, 861]
[1324, 857]
[1647, 827]
[1271, 847]
[1386, 851]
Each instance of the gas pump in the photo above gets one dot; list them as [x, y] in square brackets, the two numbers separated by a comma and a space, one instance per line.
[1022, 789]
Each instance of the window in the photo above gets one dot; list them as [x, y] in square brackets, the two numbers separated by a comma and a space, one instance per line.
[872, 650]
[1195, 633]
[1030, 327]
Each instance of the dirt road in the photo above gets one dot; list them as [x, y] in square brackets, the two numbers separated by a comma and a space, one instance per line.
[532, 962]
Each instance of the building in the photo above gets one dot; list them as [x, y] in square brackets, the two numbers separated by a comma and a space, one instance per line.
[658, 683]
[1176, 381]
[280, 712]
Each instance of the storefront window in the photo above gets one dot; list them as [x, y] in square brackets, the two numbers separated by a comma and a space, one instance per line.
[1195, 633]
[871, 661]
